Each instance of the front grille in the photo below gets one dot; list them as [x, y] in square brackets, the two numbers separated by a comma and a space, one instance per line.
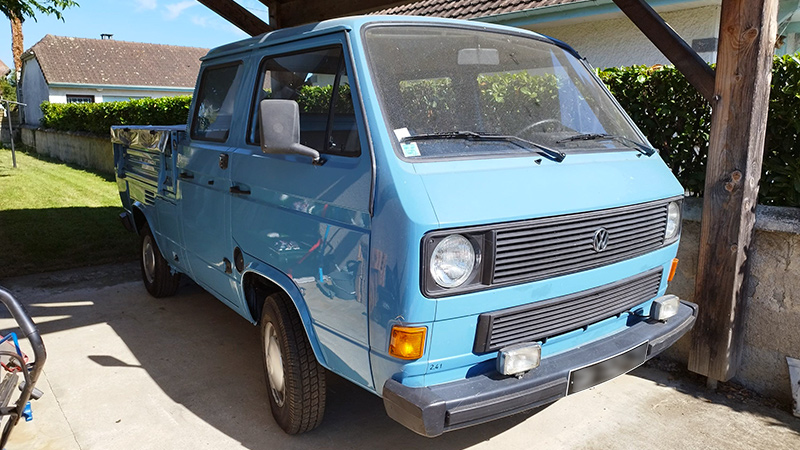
[552, 246]
[547, 318]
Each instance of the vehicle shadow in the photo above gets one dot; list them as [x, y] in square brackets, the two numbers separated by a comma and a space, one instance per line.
[673, 375]
[208, 359]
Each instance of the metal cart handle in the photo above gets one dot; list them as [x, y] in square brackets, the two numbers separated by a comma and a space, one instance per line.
[30, 332]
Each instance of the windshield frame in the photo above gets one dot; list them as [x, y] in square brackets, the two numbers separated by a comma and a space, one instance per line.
[571, 52]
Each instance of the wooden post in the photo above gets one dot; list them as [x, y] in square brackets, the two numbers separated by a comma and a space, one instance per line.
[738, 125]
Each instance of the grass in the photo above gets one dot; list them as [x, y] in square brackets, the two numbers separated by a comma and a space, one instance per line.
[54, 216]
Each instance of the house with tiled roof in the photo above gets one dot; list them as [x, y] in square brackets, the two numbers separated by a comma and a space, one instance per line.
[62, 69]
[599, 30]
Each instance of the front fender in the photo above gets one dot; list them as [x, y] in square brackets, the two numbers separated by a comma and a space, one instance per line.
[289, 288]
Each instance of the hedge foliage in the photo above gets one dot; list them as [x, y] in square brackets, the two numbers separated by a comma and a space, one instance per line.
[677, 120]
[98, 118]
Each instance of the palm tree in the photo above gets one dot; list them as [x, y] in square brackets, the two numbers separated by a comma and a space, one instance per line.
[18, 10]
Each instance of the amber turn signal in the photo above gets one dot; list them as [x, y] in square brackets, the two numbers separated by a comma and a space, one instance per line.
[407, 342]
[672, 269]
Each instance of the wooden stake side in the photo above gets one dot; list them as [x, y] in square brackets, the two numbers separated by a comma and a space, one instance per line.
[671, 45]
[739, 118]
[238, 16]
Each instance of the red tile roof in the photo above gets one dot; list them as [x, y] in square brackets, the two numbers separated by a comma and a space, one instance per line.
[468, 9]
[111, 62]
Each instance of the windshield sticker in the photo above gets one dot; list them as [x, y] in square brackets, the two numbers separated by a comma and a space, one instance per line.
[401, 133]
[410, 149]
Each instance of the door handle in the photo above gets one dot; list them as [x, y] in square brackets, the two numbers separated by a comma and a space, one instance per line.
[238, 190]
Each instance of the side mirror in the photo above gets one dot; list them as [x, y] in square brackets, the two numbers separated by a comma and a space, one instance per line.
[280, 129]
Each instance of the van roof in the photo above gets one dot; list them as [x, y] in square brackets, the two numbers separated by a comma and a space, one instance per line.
[355, 23]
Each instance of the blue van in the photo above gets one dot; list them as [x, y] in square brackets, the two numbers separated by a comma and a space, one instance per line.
[455, 216]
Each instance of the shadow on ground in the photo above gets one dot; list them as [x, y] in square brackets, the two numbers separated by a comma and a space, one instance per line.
[207, 358]
[40, 240]
[675, 376]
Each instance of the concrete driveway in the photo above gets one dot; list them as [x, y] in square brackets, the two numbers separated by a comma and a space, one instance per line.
[127, 371]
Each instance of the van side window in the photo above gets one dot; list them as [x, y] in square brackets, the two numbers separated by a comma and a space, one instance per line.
[317, 80]
[215, 102]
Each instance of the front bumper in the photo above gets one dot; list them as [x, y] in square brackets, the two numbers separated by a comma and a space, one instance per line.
[430, 411]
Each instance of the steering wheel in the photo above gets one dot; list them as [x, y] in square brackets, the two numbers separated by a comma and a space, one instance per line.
[543, 122]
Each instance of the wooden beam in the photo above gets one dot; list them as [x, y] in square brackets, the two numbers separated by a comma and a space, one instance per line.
[738, 126]
[298, 12]
[691, 65]
[273, 7]
[240, 17]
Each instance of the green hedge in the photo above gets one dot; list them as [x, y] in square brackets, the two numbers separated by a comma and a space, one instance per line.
[677, 120]
[97, 118]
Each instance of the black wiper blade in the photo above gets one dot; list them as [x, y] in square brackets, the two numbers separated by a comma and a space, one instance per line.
[543, 150]
[594, 136]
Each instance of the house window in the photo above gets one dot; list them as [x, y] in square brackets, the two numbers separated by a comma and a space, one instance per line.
[80, 98]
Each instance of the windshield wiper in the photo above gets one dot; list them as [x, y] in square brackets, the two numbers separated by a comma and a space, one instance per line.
[543, 150]
[595, 136]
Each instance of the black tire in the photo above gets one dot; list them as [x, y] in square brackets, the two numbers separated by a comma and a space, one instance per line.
[156, 274]
[296, 386]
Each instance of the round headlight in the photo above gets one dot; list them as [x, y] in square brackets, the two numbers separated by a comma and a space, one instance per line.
[673, 220]
[452, 261]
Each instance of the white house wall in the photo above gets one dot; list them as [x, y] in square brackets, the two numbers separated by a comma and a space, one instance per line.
[33, 90]
[617, 42]
[59, 95]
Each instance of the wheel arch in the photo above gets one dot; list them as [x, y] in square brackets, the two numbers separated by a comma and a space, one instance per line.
[260, 281]
[140, 218]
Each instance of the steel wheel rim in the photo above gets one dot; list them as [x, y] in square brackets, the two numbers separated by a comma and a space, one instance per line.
[274, 359]
[149, 260]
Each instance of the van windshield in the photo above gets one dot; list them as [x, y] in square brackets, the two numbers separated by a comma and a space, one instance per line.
[455, 92]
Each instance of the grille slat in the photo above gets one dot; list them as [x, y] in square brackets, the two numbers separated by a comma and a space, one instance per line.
[552, 246]
[537, 314]
[565, 319]
[548, 318]
[577, 261]
[570, 225]
[579, 247]
[555, 243]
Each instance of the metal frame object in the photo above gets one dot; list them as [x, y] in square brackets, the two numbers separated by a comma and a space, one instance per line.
[30, 371]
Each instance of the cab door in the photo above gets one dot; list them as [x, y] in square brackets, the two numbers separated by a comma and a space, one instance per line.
[203, 167]
[312, 222]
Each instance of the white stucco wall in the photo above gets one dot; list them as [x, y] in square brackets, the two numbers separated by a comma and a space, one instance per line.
[33, 91]
[615, 41]
[59, 95]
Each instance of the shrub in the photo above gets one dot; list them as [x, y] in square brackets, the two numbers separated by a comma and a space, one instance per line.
[97, 118]
[677, 120]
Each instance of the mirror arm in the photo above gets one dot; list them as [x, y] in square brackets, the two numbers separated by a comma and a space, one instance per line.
[301, 149]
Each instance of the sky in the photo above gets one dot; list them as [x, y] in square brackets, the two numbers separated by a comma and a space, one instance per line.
[173, 22]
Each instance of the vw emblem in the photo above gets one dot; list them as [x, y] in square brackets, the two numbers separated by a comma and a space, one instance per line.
[600, 240]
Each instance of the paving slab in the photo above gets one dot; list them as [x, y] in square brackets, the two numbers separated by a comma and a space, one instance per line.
[129, 371]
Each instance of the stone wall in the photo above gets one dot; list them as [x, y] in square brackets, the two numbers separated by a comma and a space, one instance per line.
[772, 311]
[5, 135]
[81, 149]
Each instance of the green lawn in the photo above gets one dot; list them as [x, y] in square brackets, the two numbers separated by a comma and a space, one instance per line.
[53, 216]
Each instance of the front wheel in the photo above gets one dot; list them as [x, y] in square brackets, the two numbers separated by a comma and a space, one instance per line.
[156, 274]
[295, 380]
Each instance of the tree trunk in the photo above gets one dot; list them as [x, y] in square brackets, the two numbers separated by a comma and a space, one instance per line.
[16, 43]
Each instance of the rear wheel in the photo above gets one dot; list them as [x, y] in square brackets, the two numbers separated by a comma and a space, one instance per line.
[295, 380]
[156, 274]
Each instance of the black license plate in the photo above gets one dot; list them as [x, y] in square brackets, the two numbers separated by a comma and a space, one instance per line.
[600, 372]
